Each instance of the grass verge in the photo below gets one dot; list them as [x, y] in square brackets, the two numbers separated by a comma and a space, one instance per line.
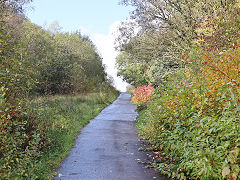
[60, 119]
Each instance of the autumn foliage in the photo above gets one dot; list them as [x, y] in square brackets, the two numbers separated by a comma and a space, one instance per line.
[220, 68]
[215, 74]
[194, 125]
[143, 94]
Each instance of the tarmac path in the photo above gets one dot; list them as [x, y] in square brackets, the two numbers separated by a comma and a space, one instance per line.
[107, 148]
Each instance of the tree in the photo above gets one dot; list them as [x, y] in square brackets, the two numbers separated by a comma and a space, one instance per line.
[167, 29]
[154, 53]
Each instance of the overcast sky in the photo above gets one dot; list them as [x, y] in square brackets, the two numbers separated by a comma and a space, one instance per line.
[96, 18]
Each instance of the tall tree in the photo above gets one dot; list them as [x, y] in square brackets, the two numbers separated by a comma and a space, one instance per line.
[167, 28]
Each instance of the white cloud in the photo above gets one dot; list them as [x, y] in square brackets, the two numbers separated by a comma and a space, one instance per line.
[105, 46]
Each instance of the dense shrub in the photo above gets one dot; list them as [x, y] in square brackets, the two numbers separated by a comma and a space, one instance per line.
[194, 120]
[143, 93]
[18, 141]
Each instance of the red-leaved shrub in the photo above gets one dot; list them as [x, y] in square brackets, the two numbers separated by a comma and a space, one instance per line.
[143, 94]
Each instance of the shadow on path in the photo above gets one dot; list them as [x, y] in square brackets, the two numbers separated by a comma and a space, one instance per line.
[107, 148]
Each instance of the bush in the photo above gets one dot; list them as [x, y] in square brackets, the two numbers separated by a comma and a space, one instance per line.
[18, 141]
[143, 94]
[194, 120]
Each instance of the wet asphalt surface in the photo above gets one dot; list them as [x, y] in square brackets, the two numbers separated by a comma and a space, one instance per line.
[107, 148]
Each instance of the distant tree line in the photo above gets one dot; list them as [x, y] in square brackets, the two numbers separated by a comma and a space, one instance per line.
[38, 61]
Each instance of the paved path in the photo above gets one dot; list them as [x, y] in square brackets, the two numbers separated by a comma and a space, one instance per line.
[107, 148]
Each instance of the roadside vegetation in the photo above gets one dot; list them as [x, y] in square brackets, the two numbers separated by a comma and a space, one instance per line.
[51, 84]
[59, 119]
[189, 52]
